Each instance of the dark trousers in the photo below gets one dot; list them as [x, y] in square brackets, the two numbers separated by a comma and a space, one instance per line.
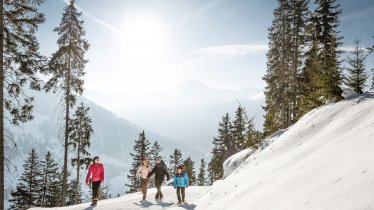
[181, 190]
[95, 190]
[144, 186]
[158, 187]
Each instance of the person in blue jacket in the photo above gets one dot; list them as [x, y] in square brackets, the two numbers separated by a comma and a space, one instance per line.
[180, 181]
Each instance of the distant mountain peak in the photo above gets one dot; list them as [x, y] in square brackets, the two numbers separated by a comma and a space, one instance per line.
[193, 85]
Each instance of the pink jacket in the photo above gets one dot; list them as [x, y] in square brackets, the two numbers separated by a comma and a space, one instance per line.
[97, 172]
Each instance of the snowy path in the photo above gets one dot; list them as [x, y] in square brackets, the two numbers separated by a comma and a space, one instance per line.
[132, 201]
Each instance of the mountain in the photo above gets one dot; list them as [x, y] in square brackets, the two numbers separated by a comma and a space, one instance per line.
[113, 140]
[324, 161]
[189, 113]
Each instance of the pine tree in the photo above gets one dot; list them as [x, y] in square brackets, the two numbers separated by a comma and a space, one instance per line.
[253, 137]
[175, 161]
[310, 86]
[156, 150]
[189, 168]
[80, 131]
[201, 179]
[330, 76]
[210, 179]
[29, 186]
[50, 181]
[371, 49]
[141, 149]
[20, 63]
[357, 76]
[74, 193]
[67, 69]
[238, 129]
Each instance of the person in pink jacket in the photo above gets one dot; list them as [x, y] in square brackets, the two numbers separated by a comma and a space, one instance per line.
[143, 170]
[95, 175]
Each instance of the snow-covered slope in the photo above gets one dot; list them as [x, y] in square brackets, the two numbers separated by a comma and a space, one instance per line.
[324, 161]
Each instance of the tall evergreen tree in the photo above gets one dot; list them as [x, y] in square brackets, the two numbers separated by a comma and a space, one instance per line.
[287, 42]
[175, 161]
[253, 137]
[371, 49]
[141, 149]
[330, 76]
[74, 193]
[189, 168]
[238, 129]
[357, 76]
[210, 170]
[29, 186]
[156, 150]
[67, 69]
[80, 131]
[20, 62]
[310, 86]
[49, 185]
[201, 178]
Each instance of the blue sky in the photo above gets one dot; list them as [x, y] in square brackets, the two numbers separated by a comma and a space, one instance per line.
[143, 46]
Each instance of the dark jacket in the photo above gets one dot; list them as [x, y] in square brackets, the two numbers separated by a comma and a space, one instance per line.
[160, 171]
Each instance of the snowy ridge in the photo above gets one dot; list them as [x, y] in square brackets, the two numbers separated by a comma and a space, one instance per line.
[324, 161]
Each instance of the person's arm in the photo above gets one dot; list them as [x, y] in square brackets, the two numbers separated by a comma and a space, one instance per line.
[102, 173]
[174, 182]
[138, 171]
[88, 174]
[187, 180]
[150, 174]
[167, 173]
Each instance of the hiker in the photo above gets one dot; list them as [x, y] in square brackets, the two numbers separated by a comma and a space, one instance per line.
[160, 171]
[96, 169]
[143, 170]
[180, 181]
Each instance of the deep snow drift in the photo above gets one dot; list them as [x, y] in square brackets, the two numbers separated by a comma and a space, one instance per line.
[324, 161]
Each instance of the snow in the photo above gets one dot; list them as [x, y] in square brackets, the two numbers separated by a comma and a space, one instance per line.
[349, 93]
[132, 201]
[234, 161]
[325, 161]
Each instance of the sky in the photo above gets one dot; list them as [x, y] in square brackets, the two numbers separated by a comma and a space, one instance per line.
[141, 47]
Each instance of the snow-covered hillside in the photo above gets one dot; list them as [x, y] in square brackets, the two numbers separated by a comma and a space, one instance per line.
[325, 161]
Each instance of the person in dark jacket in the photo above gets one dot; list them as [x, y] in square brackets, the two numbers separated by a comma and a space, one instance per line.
[180, 182]
[95, 176]
[160, 170]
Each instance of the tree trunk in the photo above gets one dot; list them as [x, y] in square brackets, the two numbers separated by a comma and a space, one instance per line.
[66, 146]
[2, 105]
[78, 168]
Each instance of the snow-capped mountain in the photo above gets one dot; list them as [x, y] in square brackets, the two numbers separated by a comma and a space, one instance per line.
[324, 161]
[113, 140]
[189, 113]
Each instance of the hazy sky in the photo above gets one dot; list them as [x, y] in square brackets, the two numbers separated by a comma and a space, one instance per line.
[145, 46]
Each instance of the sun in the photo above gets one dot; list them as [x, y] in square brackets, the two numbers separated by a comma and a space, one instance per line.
[144, 41]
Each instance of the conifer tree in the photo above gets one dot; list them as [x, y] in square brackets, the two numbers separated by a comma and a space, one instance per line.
[210, 179]
[238, 129]
[74, 193]
[80, 131]
[29, 186]
[141, 149]
[189, 168]
[66, 67]
[253, 137]
[20, 61]
[330, 76]
[356, 78]
[201, 178]
[156, 150]
[371, 49]
[175, 161]
[49, 185]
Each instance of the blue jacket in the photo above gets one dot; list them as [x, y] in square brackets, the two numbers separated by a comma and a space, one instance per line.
[181, 180]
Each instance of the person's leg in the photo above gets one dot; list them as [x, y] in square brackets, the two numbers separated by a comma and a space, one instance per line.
[95, 191]
[158, 187]
[142, 183]
[183, 193]
[179, 194]
[145, 188]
